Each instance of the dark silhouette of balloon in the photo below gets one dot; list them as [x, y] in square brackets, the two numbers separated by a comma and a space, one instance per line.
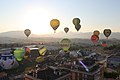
[107, 32]
[27, 32]
[96, 32]
[77, 27]
[76, 21]
[66, 29]
[94, 38]
[54, 24]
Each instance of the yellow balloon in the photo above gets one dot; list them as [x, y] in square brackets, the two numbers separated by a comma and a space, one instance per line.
[65, 44]
[76, 21]
[27, 32]
[54, 23]
[96, 32]
[42, 51]
[40, 59]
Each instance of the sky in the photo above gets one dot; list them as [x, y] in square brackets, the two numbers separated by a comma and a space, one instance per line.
[37, 14]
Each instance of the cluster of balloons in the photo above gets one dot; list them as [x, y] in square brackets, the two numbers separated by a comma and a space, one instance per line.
[54, 23]
[76, 22]
[21, 53]
[96, 33]
[95, 36]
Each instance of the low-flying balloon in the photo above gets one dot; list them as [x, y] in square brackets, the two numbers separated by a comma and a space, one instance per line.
[65, 44]
[40, 59]
[76, 21]
[96, 32]
[19, 54]
[94, 39]
[107, 32]
[77, 27]
[104, 44]
[42, 51]
[27, 52]
[66, 29]
[27, 32]
[54, 24]
[8, 61]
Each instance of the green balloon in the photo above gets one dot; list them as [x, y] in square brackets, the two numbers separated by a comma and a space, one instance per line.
[19, 54]
[76, 21]
[65, 44]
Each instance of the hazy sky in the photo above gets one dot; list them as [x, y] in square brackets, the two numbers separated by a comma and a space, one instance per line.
[36, 15]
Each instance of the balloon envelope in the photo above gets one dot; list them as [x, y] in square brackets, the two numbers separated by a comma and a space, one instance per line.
[54, 23]
[27, 52]
[107, 32]
[76, 21]
[77, 27]
[19, 54]
[66, 29]
[27, 32]
[8, 61]
[40, 59]
[42, 51]
[65, 44]
[96, 32]
[94, 38]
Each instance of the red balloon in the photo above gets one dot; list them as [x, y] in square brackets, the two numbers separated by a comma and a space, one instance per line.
[94, 38]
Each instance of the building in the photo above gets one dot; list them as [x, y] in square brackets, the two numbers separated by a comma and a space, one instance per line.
[113, 62]
[50, 73]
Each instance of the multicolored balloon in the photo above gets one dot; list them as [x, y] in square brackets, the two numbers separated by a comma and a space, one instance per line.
[27, 32]
[65, 44]
[107, 32]
[42, 51]
[27, 52]
[66, 29]
[19, 54]
[8, 61]
[104, 44]
[96, 32]
[54, 24]
[94, 39]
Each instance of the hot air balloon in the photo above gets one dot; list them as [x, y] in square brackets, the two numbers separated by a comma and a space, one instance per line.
[94, 38]
[8, 61]
[65, 44]
[107, 32]
[27, 52]
[40, 59]
[76, 21]
[27, 32]
[96, 32]
[104, 43]
[54, 24]
[19, 54]
[66, 29]
[42, 51]
[77, 27]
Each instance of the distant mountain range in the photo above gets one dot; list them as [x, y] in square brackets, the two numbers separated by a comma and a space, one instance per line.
[19, 37]
[87, 35]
